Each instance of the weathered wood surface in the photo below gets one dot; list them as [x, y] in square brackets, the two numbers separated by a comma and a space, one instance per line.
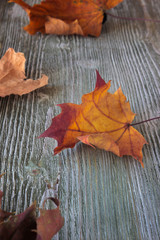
[102, 196]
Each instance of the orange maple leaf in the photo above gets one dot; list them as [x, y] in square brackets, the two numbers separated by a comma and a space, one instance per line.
[102, 119]
[12, 75]
[83, 17]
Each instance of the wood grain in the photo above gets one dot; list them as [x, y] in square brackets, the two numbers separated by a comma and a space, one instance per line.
[102, 196]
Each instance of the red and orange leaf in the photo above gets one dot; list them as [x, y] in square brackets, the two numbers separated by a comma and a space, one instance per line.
[102, 119]
[12, 67]
[83, 17]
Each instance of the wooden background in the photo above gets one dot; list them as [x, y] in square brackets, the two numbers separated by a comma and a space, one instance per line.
[102, 196]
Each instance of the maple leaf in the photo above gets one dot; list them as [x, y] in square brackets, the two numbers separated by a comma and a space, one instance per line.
[102, 119]
[83, 17]
[12, 67]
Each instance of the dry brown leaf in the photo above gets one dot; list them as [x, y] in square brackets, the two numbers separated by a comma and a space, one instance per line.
[12, 75]
[49, 221]
[59, 27]
[83, 17]
[3, 214]
[26, 226]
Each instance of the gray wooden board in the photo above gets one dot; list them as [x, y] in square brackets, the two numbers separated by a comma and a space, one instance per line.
[102, 196]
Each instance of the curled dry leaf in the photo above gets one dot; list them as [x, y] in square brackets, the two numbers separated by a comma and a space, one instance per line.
[102, 119]
[3, 214]
[45, 227]
[59, 27]
[20, 227]
[12, 68]
[26, 226]
[83, 17]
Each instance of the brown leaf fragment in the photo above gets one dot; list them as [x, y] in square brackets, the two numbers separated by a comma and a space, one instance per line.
[59, 27]
[3, 214]
[49, 222]
[12, 75]
[25, 226]
[20, 227]
[1, 195]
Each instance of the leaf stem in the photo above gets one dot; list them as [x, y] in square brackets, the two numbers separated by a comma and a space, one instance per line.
[148, 120]
[134, 19]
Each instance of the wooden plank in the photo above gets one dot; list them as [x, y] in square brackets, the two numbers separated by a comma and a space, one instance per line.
[102, 196]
